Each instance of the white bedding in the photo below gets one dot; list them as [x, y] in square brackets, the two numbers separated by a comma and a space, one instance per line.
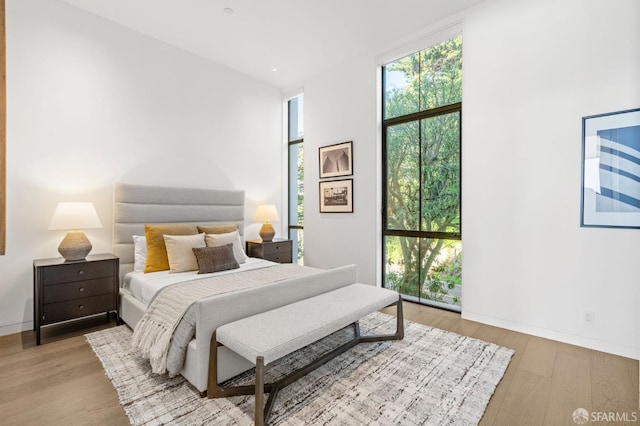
[144, 287]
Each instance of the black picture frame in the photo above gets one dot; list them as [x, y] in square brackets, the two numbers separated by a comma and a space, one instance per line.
[610, 191]
[336, 196]
[336, 160]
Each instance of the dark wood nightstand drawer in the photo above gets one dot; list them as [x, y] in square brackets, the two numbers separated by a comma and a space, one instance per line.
[280, 257]
[76, 272]
[277, 247]
[78, 289]
[70, 309]
[275, 251]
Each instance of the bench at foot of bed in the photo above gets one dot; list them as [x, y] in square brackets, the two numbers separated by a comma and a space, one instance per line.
[264, 338]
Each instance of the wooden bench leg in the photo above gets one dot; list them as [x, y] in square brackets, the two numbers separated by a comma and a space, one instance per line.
[399, 320]
[214, 390]
[259, 411]
[398, 335]
[212, 380]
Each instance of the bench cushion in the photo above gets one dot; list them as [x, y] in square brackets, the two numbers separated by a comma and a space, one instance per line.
[276, 333]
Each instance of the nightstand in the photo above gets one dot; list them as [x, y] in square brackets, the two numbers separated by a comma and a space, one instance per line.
[69, 290]
[278, 250]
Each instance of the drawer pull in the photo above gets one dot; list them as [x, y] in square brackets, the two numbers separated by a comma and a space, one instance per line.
[80, 307]
[80, 272]
[277, 247]
[81, 289]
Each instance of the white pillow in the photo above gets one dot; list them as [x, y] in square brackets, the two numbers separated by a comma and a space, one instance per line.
[179, 251]
[139, 253]
[215, 240]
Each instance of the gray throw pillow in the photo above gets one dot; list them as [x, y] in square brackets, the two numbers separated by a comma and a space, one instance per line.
[215, 259]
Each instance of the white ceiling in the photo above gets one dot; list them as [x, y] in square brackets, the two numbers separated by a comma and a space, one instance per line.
[299, 38]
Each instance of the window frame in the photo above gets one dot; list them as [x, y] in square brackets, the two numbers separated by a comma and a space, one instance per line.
[416, 117]
[293, 227]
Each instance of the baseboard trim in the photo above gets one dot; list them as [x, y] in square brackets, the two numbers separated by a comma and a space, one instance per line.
[598, 345]
[5, 330]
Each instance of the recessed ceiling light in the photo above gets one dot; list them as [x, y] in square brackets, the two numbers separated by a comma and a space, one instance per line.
[228, 11]
[273, 69]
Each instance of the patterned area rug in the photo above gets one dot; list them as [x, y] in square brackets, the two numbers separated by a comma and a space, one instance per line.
[432, 377]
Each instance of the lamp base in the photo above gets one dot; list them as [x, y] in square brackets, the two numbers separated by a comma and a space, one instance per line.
[267, 232]
[75, 246]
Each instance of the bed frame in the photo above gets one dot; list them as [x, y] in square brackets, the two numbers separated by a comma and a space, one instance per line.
[137, 205]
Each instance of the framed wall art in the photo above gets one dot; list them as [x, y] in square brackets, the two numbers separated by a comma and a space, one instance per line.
[611, 170]
[336, 196]
[336, 160]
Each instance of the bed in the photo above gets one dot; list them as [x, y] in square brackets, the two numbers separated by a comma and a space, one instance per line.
[137, 205]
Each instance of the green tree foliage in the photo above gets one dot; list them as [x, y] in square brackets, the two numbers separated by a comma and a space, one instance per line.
[432, 77]
[423, 169]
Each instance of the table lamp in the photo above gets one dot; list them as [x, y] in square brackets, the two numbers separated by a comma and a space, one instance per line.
[266, 213]
[74, 216]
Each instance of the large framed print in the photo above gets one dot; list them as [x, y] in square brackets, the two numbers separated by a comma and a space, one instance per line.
[611, 170]
[336, 160]
[336, 196]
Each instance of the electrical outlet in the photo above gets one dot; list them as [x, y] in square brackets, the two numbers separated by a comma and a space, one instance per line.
[589, 318]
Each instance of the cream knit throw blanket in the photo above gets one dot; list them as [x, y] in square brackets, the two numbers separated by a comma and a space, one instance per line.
[153, 332]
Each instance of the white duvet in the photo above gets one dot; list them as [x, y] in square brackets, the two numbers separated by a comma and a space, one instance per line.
[145, 286]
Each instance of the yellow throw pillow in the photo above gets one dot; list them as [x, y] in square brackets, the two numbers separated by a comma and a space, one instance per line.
[180, 251]
[157, 259]
[217, 229]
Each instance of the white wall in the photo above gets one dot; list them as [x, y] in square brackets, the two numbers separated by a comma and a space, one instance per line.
[91, 103]
[531, 71]
[340, 106]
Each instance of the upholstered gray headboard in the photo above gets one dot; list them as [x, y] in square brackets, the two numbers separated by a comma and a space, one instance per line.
[136, 205]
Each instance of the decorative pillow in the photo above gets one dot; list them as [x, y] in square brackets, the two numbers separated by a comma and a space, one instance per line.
[139, 253]
[214, 240]
[156, 249]
[217, 229]
[180, 253]
[215, 259]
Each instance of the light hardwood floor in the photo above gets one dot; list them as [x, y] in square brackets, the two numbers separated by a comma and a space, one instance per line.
[62, 382]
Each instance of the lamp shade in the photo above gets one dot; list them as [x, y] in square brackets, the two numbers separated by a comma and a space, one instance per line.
[75, 215]
[266, 213]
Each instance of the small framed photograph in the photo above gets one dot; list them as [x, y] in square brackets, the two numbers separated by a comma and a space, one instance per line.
[336, 196]
[610, 195]
[336, 160]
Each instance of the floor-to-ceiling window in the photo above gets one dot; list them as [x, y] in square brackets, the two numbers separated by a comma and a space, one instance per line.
[421, 134]
[295, 108]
